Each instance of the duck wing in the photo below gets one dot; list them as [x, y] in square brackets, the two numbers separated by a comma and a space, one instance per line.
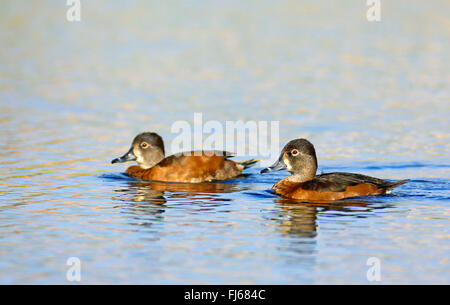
[338, 182]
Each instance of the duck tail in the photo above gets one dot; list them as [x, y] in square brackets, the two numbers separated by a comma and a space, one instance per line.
[248, 163]
[396, 183]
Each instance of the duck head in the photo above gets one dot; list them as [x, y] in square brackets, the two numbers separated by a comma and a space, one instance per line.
[297, 157]
[147, 149]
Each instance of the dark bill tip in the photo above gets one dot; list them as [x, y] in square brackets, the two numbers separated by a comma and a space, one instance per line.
[116, 160]
[277, 166]
[129, 156]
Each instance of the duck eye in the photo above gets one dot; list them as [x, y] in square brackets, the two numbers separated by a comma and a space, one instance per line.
[144, 145]
[294, 152]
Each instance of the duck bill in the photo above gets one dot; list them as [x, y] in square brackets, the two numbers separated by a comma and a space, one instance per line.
[129, 156]
[277, 166]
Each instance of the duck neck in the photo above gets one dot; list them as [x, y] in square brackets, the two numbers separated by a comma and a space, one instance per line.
[306, 173]
[150, 160]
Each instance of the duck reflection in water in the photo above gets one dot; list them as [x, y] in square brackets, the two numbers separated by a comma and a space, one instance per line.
[300, 218]
[153, 194]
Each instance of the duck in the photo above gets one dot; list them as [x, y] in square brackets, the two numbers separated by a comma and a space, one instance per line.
[299, 158]
[147, 149]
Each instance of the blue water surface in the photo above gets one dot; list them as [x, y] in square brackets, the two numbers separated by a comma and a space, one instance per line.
[373, 97]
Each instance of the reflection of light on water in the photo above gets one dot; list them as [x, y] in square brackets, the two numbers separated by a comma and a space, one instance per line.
[73, 95]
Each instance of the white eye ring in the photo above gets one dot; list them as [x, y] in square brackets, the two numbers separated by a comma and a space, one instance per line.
[144, 145]
[294, 152]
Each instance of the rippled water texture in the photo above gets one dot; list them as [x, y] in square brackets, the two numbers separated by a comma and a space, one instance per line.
[372, 96]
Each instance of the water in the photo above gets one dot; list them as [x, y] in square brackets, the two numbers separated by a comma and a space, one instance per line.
[372, 97]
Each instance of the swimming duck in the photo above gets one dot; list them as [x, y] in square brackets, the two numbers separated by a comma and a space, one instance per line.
[147, 149]
[299, 158]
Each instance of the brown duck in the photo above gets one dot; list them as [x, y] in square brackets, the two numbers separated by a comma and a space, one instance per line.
[147, 149]
[299, 158]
